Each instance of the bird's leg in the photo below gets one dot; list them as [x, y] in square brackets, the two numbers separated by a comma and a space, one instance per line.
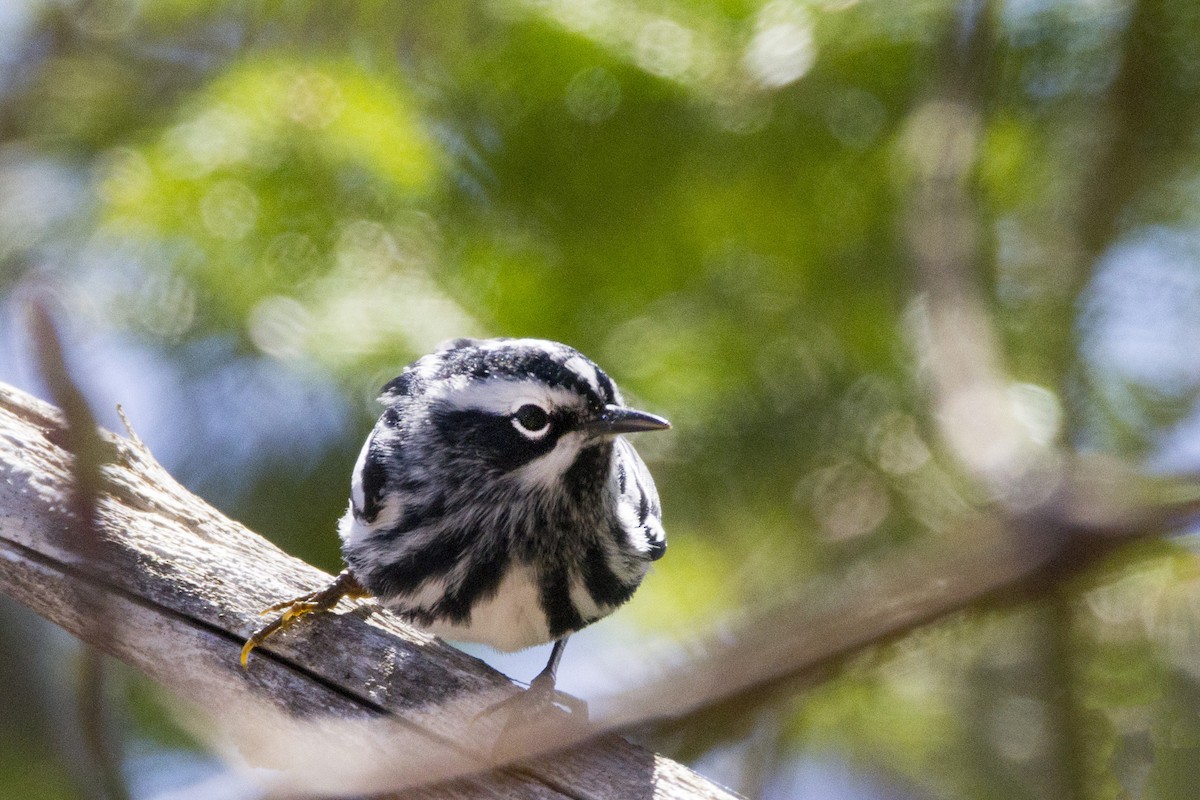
[543, 684]
[541, 696]
[344, 585]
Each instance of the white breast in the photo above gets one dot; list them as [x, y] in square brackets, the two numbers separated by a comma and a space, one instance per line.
[510, 620]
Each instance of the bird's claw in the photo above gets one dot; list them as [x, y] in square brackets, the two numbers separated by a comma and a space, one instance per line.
[266, 632]
[321, 600]
[288, 605]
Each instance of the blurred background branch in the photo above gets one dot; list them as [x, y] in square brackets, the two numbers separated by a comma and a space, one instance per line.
[758, 659]
[81, 440]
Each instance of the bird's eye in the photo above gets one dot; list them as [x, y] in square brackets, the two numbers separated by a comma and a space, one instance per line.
[532, 418]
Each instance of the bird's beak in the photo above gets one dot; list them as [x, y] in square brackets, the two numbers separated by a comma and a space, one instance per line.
[618, 419]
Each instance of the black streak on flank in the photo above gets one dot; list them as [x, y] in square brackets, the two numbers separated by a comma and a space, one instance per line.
[405, 575]
[414, 516]
[561, 615]
[601, 582]
[480, 583]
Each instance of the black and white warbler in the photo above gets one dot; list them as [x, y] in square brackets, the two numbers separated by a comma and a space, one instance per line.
[495, 500]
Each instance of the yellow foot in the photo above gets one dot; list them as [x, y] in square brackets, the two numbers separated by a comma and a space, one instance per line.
[344, 585]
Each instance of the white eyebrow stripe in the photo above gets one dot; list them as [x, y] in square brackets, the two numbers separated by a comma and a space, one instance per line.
[504, 395]
[586, 370]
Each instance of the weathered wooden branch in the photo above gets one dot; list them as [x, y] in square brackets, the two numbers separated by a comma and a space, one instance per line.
[349, 703]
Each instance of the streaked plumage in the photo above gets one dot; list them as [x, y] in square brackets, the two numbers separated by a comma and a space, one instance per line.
[471, 525]
[495, 500]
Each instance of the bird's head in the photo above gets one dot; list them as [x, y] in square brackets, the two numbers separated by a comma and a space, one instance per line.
[533, 410]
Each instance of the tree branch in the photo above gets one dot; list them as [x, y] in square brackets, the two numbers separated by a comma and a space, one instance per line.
[354, 702]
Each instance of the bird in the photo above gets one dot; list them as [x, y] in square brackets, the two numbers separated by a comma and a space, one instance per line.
[497, 501]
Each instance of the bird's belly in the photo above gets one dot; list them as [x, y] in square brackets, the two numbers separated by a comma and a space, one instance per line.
[512, 619]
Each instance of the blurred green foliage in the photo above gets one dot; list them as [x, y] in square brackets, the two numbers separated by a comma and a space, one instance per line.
[708, 198]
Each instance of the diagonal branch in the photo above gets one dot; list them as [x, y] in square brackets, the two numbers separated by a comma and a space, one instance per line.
[351, 703]
[769, 653]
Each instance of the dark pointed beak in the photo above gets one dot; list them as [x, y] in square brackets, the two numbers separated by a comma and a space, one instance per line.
[617, 419]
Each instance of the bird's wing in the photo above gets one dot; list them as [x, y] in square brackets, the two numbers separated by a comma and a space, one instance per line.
[638, 507]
